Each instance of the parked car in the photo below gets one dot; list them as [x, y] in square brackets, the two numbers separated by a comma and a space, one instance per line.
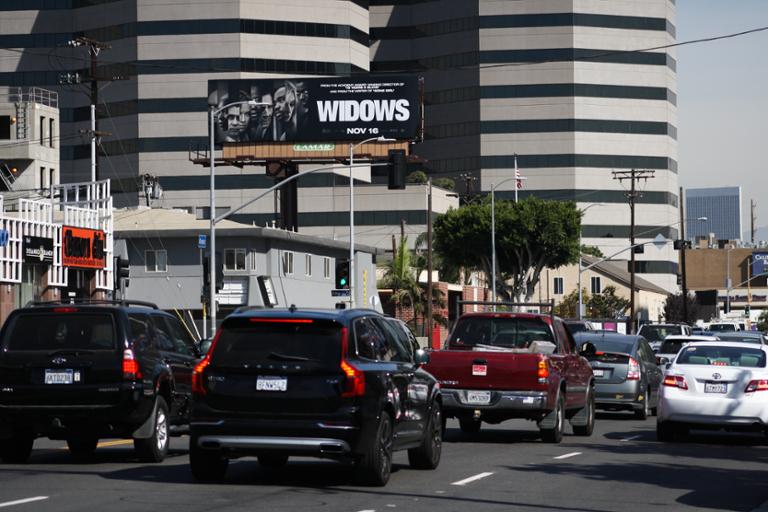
[627, 377]
[504, 365]
[672, 345]
[85, 371]
[655, 333]
[576, 326]
[714, 385]
[338, 384]
[744, 336]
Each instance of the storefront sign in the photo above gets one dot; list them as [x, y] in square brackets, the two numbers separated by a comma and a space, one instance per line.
[38, 249]
[759, 263]
[83, 248]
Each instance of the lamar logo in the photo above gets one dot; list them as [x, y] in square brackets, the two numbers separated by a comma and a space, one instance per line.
[351, 111]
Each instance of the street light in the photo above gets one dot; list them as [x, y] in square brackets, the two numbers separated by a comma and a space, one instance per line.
[212, 267]
[352, 278]
[493, 233]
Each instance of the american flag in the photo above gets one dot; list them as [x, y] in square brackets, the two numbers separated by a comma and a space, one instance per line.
[518, 176]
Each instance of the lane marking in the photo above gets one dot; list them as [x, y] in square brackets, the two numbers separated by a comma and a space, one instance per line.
[118, 442]
[630, 438]
[21, 502]
[472, 479]
[567, 455]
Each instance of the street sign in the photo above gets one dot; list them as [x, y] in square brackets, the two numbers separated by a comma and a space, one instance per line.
[336, 292]
[660, 241]
[202, 241]
[4, 237]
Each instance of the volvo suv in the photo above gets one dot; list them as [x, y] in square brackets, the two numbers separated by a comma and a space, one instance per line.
[338, 384]
[84, 371]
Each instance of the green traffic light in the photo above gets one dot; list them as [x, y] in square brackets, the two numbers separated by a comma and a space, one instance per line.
[343, 282]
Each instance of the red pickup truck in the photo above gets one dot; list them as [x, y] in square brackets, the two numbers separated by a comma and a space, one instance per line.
[504, 365]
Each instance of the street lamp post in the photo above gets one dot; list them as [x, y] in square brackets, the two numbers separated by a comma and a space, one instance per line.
[352, 279]
[493, 233]
[212, 267]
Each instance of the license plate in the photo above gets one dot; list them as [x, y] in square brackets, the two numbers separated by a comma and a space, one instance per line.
[271, 384]
[715, 387]
[599, 372]
[478, 397]
[59, 376]
[480, 369]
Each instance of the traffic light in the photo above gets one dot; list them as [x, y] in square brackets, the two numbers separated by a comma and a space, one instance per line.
[398, 167]
[681, 244]
[747, 310]
[121, 273]
[342, 274]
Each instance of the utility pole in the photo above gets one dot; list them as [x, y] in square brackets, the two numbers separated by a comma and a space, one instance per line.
[429, 262]
[633, 176]
[752, 219]
[683, 281]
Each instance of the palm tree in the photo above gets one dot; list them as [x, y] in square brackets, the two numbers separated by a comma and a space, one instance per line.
[400, 277]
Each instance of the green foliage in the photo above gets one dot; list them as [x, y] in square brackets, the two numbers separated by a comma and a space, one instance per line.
[417, 177]
[607, 304]
[569, 307]
[673, 308]
[531, 235]
[445, 183]
[592, 251]
[762, 321]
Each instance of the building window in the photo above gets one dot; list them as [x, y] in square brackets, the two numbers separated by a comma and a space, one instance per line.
[51, 129]
[308, 265]
[42, 131]
[52, 176]
[43, 174]
[287, 263]
[558, 286]
[156, 261]
[234, 259]
[326, 268]
[253, 260]
[595, 285]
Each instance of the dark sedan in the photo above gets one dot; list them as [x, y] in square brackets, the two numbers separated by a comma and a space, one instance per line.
[627, 377]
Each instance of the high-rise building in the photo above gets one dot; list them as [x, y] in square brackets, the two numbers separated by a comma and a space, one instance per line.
[564, 85]
[722, 208]
[560, 83]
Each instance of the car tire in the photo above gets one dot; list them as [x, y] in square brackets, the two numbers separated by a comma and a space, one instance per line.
[470, 425]
[427, 455]
[375, 466]
[82, 448]
[206, 465]
[665, 432]
[555, 434]
[155, 447]
[586, 430]
[17, 448]
[273, 460]
[645, 410]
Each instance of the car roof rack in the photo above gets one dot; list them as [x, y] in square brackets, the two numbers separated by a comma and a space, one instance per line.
[93, 302]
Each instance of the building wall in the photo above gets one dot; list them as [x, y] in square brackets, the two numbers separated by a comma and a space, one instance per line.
[722, 208]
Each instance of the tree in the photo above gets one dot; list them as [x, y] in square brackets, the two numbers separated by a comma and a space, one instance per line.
[762, 321]
[418, 177]
[569, 307]
[531, 235]
[607, 304]
[592, 251]
[673, 308]
[445, 183]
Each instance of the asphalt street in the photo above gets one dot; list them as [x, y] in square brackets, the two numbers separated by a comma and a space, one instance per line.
[504, 467]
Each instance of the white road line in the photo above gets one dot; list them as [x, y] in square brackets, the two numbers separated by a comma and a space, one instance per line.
[21, 502]
[631, 438]
[472, 479]
[567, 455]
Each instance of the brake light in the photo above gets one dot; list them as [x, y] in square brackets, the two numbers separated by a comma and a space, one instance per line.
[675, 381]
[198, 387]
[542, 371]
[65, 310]
[354, 384]
[131, 369]
[281, 320]
[757, 385]
[634, 370]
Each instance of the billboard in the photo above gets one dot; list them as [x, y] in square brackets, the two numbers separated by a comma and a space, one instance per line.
[83, 248]
[316, 109]
[759, 263]
[37, 249]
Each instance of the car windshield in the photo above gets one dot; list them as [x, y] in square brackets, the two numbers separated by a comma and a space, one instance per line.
[610, 351]
[718, 355]
[722, 327]
[658, 332]
[60, 331]
[272, 341]
[672, 346]
[499, 332]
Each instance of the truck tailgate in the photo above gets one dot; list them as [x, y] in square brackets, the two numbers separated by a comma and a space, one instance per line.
[468, 369]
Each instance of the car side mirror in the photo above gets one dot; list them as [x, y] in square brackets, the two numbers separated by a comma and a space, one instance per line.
[204, 346]
[421, 357]
[587, 349]
[662, 361]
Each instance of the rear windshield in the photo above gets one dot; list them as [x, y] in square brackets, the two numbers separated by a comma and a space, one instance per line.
[722, 356]
[60, 331]
[499, 332]
[658, 332]
[740, 337]
[316, 343]
[722, 327]
[575, 327]
[672, 346]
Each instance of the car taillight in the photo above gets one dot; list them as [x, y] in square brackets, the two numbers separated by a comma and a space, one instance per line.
[354, 384]
[675, 381]
[198, 386]
[634, 370]
[757, 385]
[131, 369]
[542, 371]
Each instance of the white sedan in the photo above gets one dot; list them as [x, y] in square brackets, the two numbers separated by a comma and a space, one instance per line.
[714, 385]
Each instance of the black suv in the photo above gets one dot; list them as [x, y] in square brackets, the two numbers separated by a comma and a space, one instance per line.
[339, 384]
[89, 370]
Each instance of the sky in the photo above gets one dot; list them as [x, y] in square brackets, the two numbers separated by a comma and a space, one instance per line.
[723, 101]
